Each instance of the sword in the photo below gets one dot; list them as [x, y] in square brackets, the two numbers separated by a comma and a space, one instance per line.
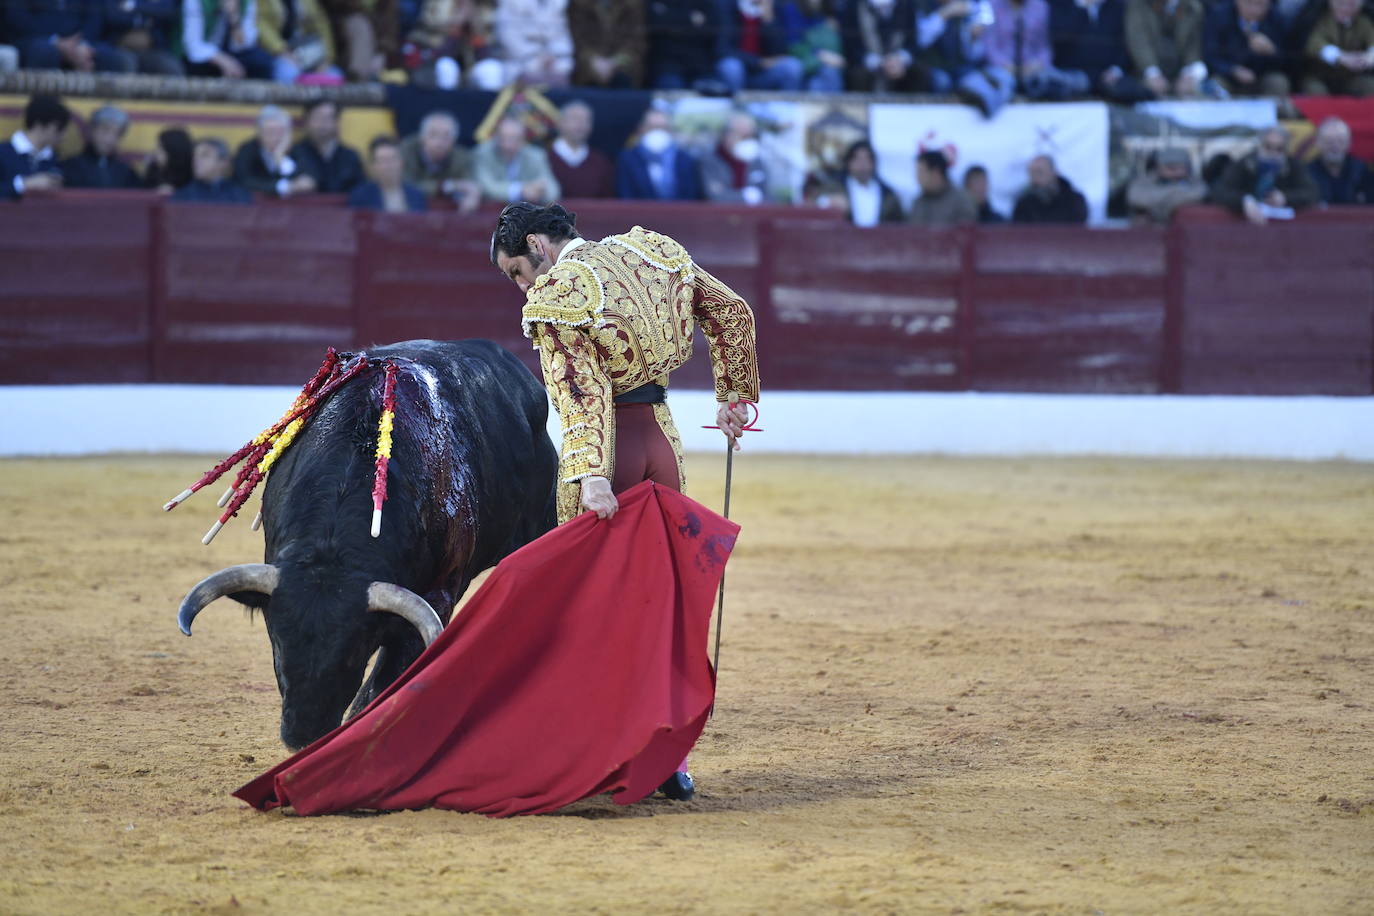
[729, 475]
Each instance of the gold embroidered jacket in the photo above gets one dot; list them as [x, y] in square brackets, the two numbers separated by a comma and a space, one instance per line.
[610, 316]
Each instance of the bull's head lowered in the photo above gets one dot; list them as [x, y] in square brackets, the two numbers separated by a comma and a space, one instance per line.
[320, 659]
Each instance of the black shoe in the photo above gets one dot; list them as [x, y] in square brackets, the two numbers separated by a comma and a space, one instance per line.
[679, 787]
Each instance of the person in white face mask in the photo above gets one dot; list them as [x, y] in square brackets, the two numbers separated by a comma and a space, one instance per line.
[655, 167]
[736, 171]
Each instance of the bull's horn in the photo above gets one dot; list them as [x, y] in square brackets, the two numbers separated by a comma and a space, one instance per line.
[249, 577]
[383, 596]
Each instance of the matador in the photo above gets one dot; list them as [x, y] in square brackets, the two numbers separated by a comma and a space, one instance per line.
[611, 321]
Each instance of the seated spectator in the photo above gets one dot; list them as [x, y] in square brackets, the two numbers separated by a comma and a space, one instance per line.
[335, 168]
[433, 161]
[453, 38]
[169, 165]
[1050, 198]
[1267, 178]
[755, 53]
[976, 187]
[1019, 43]
[682, 44]
[878, 42]
[608, 42]
[144, 33]
[868, 199]
[1164, 38]
[533, 41]
[66, 36]
[220, 38]
[1154, 196]
[1240, 46]
[656, 167]
[27, 163]
[264, 165]
[581, 170]
[1090, 38]
[1339, 176]
[940, 203]
[298, 36]
[735, 171]
[508, 167]
[99, 165]
[813, 37]
[366, 33]
[211, 183]
[387, 191]
[1340, 52]
[954, 48]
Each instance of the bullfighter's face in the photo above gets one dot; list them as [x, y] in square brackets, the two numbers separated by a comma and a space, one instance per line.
[524, 269]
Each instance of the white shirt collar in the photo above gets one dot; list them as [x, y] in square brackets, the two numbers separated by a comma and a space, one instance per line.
[24, 146]
[567, 248]
[573, 157]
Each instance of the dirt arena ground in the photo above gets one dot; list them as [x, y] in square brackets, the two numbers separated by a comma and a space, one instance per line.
[948, 686]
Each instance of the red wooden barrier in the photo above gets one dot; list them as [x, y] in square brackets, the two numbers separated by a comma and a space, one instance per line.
[123, 288]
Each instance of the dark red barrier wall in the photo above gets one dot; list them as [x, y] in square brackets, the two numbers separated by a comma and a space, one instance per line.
[127, 289]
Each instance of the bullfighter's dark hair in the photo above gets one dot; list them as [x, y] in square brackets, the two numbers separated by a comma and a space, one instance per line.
[46, 109]
[934, 160]
[520, 220]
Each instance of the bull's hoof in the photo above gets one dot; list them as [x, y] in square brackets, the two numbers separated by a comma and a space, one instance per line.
[679, 787]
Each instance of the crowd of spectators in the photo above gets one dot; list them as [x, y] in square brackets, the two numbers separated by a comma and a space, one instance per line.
[406, 175]
[984, 51]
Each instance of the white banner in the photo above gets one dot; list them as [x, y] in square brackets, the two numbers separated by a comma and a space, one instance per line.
[1075, 134]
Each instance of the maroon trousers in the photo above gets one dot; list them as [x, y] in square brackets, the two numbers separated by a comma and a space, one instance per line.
[642, 451]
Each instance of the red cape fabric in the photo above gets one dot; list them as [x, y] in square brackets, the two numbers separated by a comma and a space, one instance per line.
[579, 667]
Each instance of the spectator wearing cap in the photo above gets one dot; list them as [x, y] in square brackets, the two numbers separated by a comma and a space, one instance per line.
[608, 39]
[813, 37]
[755, 53]
[953, 37]
[66, 35]
[1340, 52]
[432, 161]
[736, 171]
[1089, 37]
[533, 41]
[27, 165]
[879, 42]
[581, 169]
[1266, 178]
[684, 43]
[976, 187]
[1339, 176]
[1050, 197]
[335, 168]
[656, 167]
[142, 32]
[212, 184]
[1240, 45]
[388, 190]
[1164, 38]
[870, 200]
[99, 165]
[264, 165]
[1019, 43]
[940, 203]
[509, 168]
[220, 38]
[1169, 184]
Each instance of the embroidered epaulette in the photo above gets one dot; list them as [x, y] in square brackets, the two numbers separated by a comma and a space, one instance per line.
[657, 249]
[570, 294]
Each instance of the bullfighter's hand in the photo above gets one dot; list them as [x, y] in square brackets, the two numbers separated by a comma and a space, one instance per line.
[731, 418]
[597, 497]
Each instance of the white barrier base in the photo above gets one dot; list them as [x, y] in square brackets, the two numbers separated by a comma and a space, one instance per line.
[91, 419]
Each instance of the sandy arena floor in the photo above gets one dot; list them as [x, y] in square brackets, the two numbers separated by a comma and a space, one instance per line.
[948, 686]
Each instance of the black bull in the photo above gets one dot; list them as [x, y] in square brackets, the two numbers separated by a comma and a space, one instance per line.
[471, 479]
